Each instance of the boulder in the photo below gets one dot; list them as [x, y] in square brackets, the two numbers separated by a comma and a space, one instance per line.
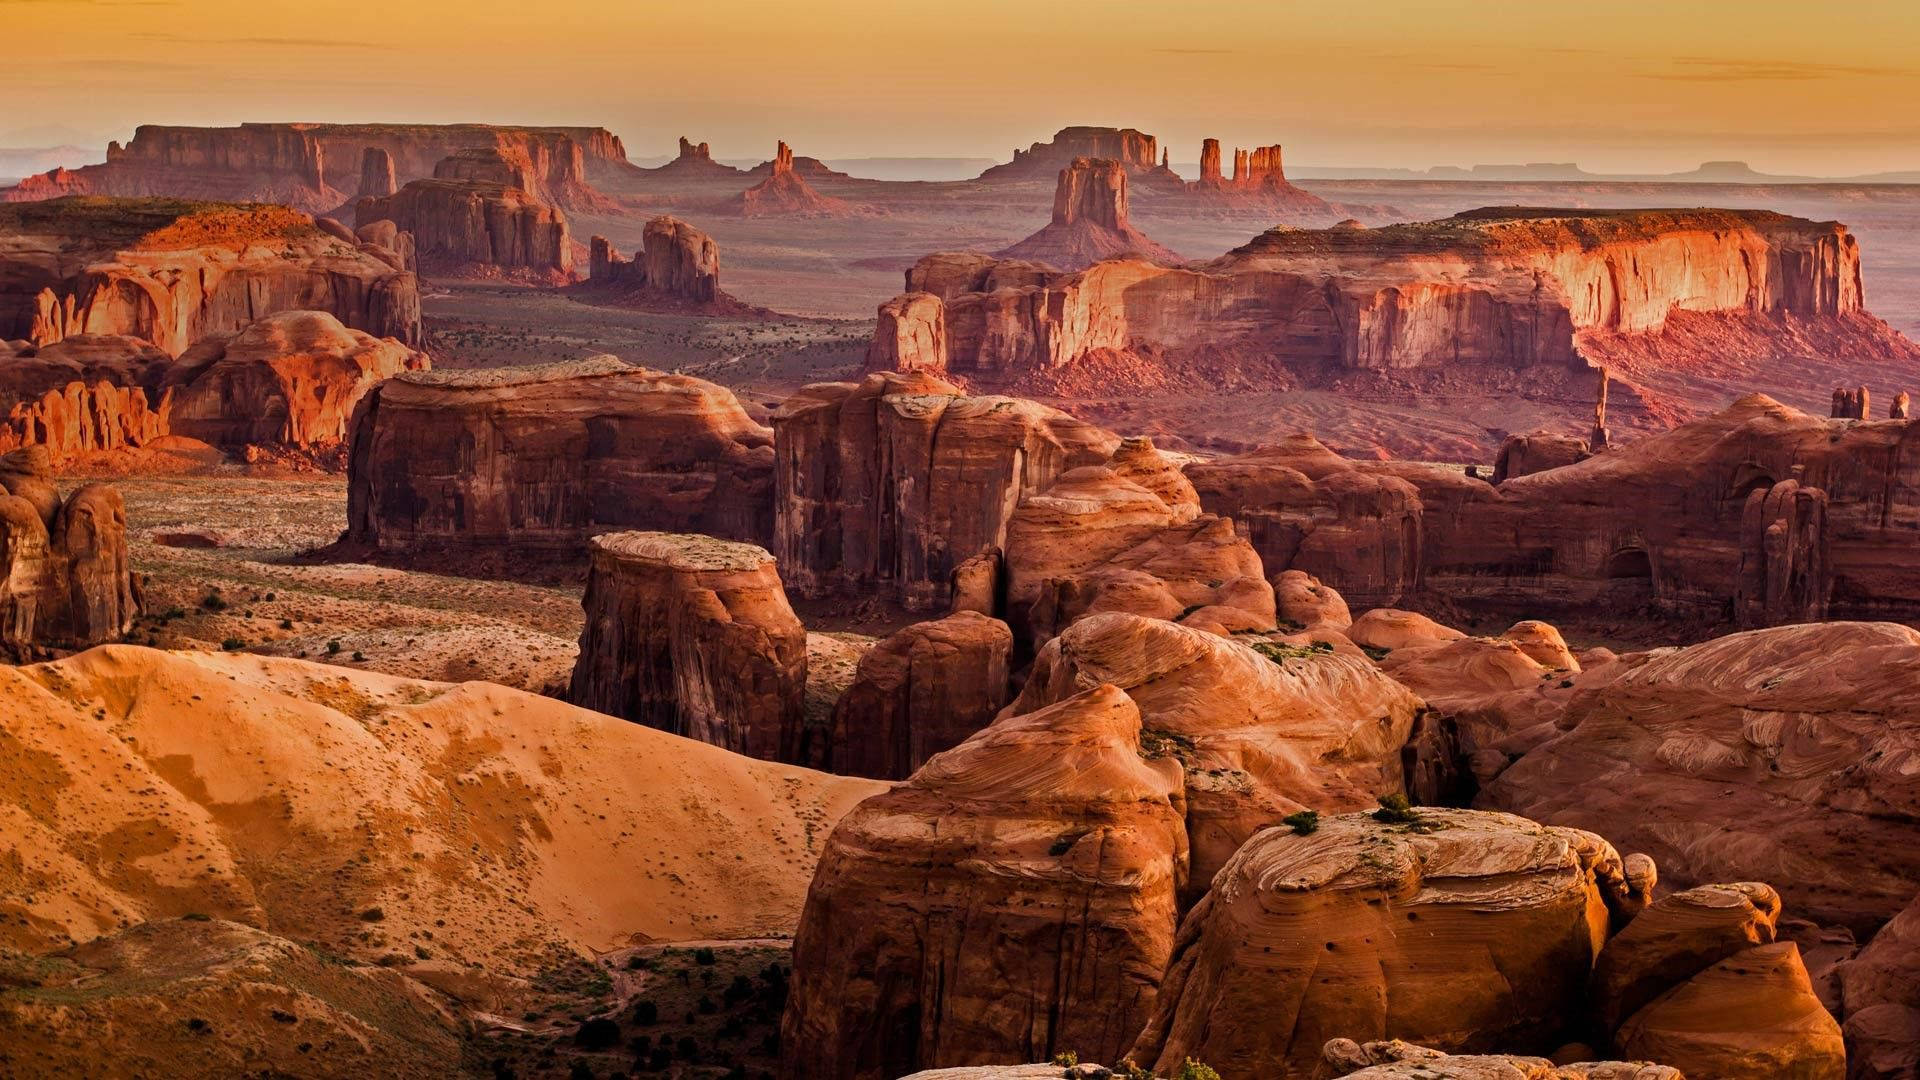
[918, 692]
[1751, 1014]
[1461, 930]
[1014, 899]
[1390, 630]
[694, 636]
[1301, 600]
[1675, 938]
[1262, 731]
[1881, 990]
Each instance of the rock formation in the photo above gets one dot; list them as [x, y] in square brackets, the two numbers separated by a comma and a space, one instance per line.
[82, 394]
[1493, 291]
[1258, 184]
[1135, 151]
[918, 692]
[376, 173]
[1751, 1014]
[1881, 987]
[1394, 1059]
[318, 167]
[478, 216]
[1262, 731]
[695, 159]
[535, 460]
[1466, 931]
[910, 334]
[291, 379]
[1769, 755]
[1089, 222]
[172, 272]
[678, 270]
[884, 487]
[1301, 601]
[693, 635]
[784, 193]
[1012, 900]
[67, 583]
[1537, 452]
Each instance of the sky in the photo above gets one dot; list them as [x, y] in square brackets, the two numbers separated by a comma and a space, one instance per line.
[1627, 86]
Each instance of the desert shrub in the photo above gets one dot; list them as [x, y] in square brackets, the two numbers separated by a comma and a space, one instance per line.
[645, 1012]
[233, 644]
[703, 956]
[1194, 1070]
[1303, 822]
[597, 1034]
[1395, 810]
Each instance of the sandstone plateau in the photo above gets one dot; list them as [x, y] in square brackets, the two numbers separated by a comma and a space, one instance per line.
[535, 460]
[174, 272]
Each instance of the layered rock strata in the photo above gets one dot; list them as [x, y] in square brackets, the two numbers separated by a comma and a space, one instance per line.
[68, 583]
[918, 692]
[478, 215]
[1136, 152]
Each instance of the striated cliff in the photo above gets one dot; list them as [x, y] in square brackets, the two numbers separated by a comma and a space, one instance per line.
[318, 167]
[173, 272]
[1503, 288]
[480, 215]
[537, 459]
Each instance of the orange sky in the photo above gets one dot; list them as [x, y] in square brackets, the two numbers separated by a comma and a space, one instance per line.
[1829, 88]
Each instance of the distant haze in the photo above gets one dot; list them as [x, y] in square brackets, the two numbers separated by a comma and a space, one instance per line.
[1635, 87]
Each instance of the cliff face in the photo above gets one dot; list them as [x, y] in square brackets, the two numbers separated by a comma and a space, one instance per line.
[479, 216]
[1508, 289]
[173, 272]
[83, 394]
[317, 167]
[537, 459]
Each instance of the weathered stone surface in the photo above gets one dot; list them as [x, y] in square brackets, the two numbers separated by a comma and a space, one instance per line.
[1676, 938]
[478, 216]
[1135, 150]
[67, 580]
[376, 173]
[174, 272]
[921, 690]
[1390, 630]
[1881, 989]
[887, 485]
[910, 335]
[1751, 1014]
[1301, 600]
[1089, 221]
[534, 460]
[1014, 899]
[1465, 932]
[84, 393]
[694, 636]
[291, 379]
[1775, 755]
[1538, 452]
[1397, 1060]
[1261, 734]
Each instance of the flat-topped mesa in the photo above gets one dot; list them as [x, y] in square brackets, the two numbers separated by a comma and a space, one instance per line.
[693, 635]
[784, 193]
[318, 167]
[1089, 221]
[478, 216]
[376, 173]
[1136, 151]
[1500, 290]
[173, 272]
[678, 268]
[535, 460]
[886, 486]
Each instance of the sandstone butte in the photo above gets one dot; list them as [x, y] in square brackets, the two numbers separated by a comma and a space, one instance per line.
[677, 269]
[694, 636]
[534, 460]
[784, 193]
[68, 580]
[1089, 222]
[515, 800]
[1258, 183]
[695, 160]
[320, 167]
[1495, 291]
[479, 216]
[887, 485]
[1012, 900]
[173, 272]
[289, 381]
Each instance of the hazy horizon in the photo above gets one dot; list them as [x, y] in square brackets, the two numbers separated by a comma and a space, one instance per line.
[1652, 88]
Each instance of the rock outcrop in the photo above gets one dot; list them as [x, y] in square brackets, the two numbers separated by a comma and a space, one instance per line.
[1771, 755]
[1881, 989]
[1491, 291]
[1465, 931]
[532, 461]
[318, 167]
[1089, 222]
[1013, 900]
[1394, 1059]
[784, 193]
[678, 269]
[1258, 184]
[478, 216]
[290, 380]
[83, 394]
[694, 636]
[376, 173]
[1262, 731]
[695, 160]
[173, 272]
[886, 486]
[918, 692]
[1751, 1014]
[67, 580]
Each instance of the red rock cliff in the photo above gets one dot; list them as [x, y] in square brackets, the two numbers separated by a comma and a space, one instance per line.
[479, 216]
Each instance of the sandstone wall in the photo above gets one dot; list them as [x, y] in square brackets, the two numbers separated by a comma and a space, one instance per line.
[537, 459]
[474, 222]
[67, 583]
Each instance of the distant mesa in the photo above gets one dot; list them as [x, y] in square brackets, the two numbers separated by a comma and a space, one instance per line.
[677, 269]
[1137, 152]
[694, 160]
[172, 272]
[479, 217]
[784, 193]
[321, 167]
[1089, 221]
